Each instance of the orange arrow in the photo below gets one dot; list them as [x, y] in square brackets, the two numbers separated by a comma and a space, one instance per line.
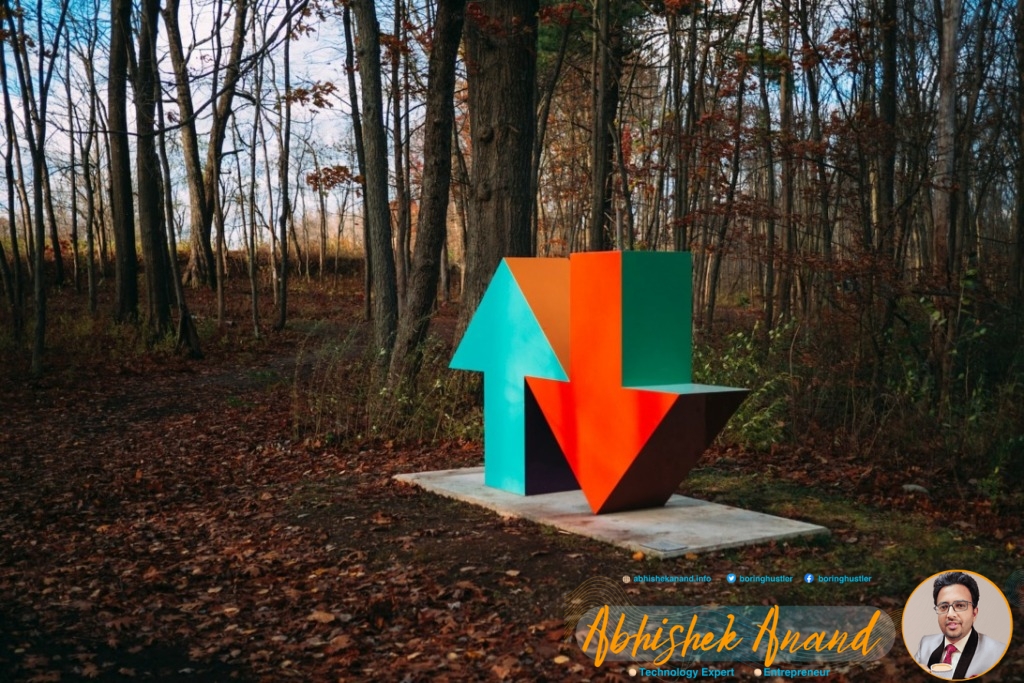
[629, 448]
[600, 426]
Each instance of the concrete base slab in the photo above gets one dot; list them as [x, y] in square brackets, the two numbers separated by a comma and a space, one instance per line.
[684, 525]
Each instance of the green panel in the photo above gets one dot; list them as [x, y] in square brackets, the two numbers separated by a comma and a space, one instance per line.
[657, 314]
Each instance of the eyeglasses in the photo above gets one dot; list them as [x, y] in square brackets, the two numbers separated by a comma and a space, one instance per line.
[958, 606]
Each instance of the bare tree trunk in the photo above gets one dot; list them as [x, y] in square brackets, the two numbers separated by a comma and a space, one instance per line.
[254, 254]
[787, 129]
[224, 94]
[26, 207]
[445, 285]
[58, 257]
[35, 133]
[321, 204]
[74, 174]
[766, 113]
[945, 162]
[605, 103]
[16, 287]
[385, 318]
[186, 335]
[121, 201]
[102, 210]
[357, 130]
[402, 226]
[148, 174]
[201, 261]
[432, 224]
[284, 204]
[945, 243]
[811, 76]
[501, 53]
[221, 253]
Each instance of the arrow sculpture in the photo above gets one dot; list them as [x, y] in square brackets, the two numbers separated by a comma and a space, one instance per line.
[587, 366]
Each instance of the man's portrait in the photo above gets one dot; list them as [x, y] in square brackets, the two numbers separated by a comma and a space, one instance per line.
[956, 625]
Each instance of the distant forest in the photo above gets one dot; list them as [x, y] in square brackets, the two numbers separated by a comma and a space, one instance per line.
[848, 175]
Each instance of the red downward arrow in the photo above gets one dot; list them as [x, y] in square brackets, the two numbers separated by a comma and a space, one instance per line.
[628, 448]
[600, 426]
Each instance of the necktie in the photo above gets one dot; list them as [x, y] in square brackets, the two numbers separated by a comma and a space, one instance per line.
[950, 649]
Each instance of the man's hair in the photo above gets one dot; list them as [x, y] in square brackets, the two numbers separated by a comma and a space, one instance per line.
[953, 578]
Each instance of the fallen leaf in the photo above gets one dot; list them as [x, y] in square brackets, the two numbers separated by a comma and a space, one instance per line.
[321, 617]
[338, 643]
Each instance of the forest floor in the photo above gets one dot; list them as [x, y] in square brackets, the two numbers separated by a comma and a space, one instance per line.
[163, 519]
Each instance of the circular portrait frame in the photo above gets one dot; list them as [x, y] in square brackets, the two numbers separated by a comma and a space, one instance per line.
[994, 620]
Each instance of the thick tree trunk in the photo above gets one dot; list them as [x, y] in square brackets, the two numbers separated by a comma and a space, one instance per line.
[501, 61]
[605, 105]
[148, 175]
[121, 201]
[945, 244]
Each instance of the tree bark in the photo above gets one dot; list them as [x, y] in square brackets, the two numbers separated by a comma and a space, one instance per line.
[402, 209]
[16, 287]
[769, 152]
[501, 62]
[201, 180]
[432, 222]
[357, 131]
[944, 223]
[73, 172]
[35, 134]
[382, 261]
[148, 175]
[121, 201]
[285, 204]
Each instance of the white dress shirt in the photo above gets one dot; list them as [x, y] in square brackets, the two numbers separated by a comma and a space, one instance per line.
[958, 644]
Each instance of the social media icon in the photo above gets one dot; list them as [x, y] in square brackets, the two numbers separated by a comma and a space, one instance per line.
[731, 578]
[808, 578]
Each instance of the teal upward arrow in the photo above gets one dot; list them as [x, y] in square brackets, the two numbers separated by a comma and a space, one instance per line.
[505, 341]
